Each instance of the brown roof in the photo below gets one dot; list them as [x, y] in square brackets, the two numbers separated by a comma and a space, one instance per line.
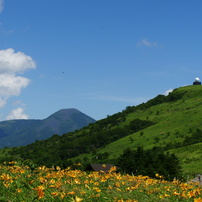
[102, 167]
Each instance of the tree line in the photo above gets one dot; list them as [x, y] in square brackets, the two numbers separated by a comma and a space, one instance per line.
[58, 149]
[149, 163]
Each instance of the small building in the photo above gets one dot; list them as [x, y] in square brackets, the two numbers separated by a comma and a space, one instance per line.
[197, 81]
[101, 167]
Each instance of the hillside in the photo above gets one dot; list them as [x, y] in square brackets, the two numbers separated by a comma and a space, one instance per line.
[23, 132]
[172, 123]
[175, 121]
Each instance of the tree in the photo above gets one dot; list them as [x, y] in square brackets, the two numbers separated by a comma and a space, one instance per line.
[149, 162]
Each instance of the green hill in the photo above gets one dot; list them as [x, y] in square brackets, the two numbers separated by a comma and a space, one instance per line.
[171, 122]
[175, 121]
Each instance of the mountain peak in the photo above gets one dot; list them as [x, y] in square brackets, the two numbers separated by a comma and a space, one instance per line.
[66, 114]
[21, 132]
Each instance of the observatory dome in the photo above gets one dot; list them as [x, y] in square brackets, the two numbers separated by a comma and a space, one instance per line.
[197, 79]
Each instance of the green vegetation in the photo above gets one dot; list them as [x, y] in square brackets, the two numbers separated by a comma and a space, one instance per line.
[57, 149]
[150, 162]
[172, 123]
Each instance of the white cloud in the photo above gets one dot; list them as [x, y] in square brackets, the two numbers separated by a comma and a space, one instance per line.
[168, 91]
[1, 5]
[2, 102]
[11, 84]
[11, 62]
[17, 113]
[145, 42]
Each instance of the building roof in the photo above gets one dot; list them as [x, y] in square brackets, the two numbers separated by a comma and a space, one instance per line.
[102, 167]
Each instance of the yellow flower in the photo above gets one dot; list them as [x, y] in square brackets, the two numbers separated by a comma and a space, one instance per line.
[103, 180]
[197, 191]
[40, 192]
[71, 193]
[12, 162]
[110, 187]
[77, 181]
[96, 189]
[82, 192]
[96, 183]
[159, 176]
[166, 195]
[112, 169]
[19, 190]
[6, 185]
[52, 181]
[42, 168]
[198, 200]
[6, 177]
[176, 193]
[22, 171]
[119, 189]
[42, 179]
[54, 193]
[117, 184]
[62, 195]
[77, 199]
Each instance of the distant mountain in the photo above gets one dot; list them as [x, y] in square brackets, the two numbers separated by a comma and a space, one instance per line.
[22, 132]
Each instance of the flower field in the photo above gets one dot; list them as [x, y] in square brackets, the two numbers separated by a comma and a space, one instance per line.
[20, 183]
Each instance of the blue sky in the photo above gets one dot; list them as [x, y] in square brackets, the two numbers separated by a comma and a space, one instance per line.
[98, 56]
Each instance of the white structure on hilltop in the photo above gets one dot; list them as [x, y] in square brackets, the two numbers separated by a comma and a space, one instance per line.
[197, 81]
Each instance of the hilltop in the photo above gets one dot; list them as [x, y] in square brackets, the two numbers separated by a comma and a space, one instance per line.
[172, 123]
[22, 132]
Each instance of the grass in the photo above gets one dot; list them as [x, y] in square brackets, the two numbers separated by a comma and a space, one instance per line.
[190, 157]
[174, 120]
[20, 183]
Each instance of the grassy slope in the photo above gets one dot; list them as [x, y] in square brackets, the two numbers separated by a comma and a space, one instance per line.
[191, 158]
[174, 120]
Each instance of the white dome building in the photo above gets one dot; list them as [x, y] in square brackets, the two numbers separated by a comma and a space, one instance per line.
[197, 81]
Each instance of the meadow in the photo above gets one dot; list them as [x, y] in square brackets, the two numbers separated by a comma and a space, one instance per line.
[19, 183]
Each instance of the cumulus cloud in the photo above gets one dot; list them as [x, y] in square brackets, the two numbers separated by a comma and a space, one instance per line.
[12, 63]
[1, 5]
[2, 102]
[145, 42]
[11, 84]
[17, 113]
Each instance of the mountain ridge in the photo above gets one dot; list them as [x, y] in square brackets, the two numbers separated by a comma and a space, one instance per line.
[25, 131]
